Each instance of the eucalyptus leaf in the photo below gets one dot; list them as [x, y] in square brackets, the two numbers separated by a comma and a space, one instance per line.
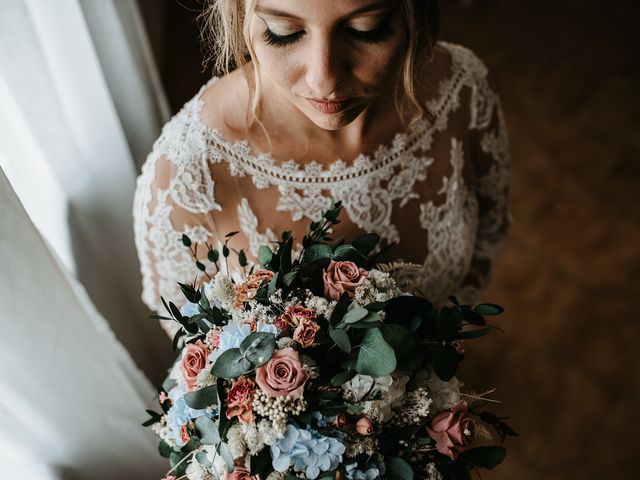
[488, 309]
[399, 337]
[476, 333]
[225, 453]
[341, 339]
[201, 458]
[398, 469]
[317, 251]
[202, 398]
[231, 364]
[340, 309]
[347, 252]
[258, 347]
[376, 356]
[355, 315]
[164, 449]
[207, 430]
[264, 255]
[289, 278]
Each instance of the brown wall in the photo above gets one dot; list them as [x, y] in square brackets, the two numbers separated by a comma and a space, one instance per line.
[568, 276]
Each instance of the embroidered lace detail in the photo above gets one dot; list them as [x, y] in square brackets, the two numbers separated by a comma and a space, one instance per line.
[464, 223]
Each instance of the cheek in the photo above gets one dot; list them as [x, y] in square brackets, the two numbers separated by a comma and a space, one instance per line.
[379, 66]
[280, 66]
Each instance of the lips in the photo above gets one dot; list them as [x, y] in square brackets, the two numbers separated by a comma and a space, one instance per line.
[329, 106]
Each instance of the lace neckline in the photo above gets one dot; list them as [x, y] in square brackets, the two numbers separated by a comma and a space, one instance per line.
[265, 165]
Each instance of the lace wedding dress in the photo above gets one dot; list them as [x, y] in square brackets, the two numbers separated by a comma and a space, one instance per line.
[439, 190]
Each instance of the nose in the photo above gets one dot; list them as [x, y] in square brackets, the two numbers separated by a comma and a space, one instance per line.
[324, 67]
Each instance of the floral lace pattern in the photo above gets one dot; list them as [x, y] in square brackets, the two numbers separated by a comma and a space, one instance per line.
[464, 223]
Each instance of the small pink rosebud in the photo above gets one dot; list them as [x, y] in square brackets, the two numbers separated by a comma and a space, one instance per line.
[340, 421]
[364, 426]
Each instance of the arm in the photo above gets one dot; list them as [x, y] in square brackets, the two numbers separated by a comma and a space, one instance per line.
[491, 161]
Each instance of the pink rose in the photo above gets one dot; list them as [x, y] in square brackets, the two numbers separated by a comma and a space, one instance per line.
[184, 434]
[298, 312]
[240, 400]
[282, 374]
[453, 431]
[364, 426]
[240, 473]
[341, 277]
[195, 358]
[305, 332]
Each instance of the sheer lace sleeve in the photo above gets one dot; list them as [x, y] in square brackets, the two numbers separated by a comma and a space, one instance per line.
[174, 196]
[491, 160]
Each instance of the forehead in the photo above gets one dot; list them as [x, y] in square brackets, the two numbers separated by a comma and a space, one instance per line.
[321, 10]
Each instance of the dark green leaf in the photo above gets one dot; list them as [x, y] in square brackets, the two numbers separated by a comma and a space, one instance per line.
[200, 266]
[445, 361]
[186, 241]
[354, 409]
[376, 306]
[398, 469]
[340, 338]
[261, 463]
[176, 339]
[285, 256]
[340, 309]
[485, 457]
[347, 253]
[488, 309]
[258, 347]
[471, 334]
[231, 234]
[289, 278]
[202, 398]
[225, 251]
[273, 284]
[366, 243]
[375, 357]
[399, 337]
[207, 430]
[317, 251]
[342, 377]
[213, 256]
[331, 410]
[174, 459]
[242, 258]
[164, 449]
[231, 364]
[447, 327]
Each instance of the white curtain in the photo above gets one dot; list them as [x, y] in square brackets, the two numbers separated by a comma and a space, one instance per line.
[80, 108]
[71, 398]
[80, 105]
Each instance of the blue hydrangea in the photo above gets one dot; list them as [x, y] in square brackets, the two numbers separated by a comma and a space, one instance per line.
[180, 413]
[234, 333]
[306, 450]
[189, 309]
[370, 471]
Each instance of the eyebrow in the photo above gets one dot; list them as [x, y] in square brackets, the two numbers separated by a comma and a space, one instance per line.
[381, 5]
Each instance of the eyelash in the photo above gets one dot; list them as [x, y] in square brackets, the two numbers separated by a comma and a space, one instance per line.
[376, 35]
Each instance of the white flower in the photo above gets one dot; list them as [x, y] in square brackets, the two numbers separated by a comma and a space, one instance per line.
[444, 394]
[195, 471]
[433, 473]
[361, 385]
[270, 432]
[236, 442]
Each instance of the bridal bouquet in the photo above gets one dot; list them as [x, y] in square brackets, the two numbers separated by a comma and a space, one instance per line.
[316, 366]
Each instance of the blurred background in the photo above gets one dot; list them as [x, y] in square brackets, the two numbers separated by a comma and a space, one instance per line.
[569, 274]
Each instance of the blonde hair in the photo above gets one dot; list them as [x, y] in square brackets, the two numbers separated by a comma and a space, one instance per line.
[223, 40]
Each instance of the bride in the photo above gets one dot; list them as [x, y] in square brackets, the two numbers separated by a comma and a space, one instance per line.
[352, 100]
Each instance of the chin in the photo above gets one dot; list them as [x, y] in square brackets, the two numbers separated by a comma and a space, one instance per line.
[334, 121]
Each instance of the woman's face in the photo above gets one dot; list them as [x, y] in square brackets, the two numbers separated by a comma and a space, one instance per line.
[330, 58]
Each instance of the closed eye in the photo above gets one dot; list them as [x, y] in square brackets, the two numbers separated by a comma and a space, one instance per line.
[276, 40]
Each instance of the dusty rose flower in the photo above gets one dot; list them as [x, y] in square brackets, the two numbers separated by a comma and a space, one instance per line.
[195, 358]
[283, 322]
[305, 332]
[453, 430]
[215, 337]
[240, 473]
[240, 400]
[341, 277]
[364, 426]
[282, 374]
[184, 434]
[247, 290]
[298, 312]
[340, 421]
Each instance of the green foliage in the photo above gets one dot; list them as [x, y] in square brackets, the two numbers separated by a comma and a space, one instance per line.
[341, 339]
[202, 398]
[207, 431]
[398, 469]
[258, 347]
[486, 457]
[375, 357]
[231, 364]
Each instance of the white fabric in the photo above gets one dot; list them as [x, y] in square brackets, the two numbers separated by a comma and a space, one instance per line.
[71, 397]
[453, 172]
[64, 148]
